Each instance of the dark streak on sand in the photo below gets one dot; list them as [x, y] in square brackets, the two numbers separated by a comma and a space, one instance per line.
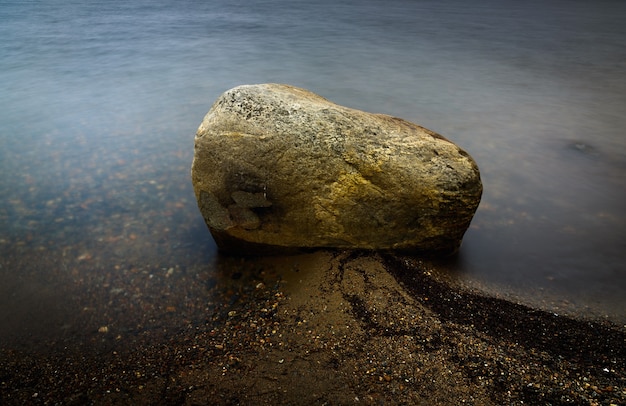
[591, 345]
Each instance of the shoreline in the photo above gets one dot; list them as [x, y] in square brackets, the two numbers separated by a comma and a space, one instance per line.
[328, 327]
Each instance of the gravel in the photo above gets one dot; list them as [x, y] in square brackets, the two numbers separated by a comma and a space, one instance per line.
[327, 327]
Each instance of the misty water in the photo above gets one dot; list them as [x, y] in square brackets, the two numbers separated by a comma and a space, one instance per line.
[99, 103]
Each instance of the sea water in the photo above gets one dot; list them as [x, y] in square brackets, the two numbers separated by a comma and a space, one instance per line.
[99, 103]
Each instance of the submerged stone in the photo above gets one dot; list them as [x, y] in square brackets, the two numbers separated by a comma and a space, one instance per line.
[279, 167]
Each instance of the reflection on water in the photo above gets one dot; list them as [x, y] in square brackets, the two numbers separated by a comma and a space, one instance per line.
[100, 103]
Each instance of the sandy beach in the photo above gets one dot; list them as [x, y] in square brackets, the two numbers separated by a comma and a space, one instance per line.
[328, 327]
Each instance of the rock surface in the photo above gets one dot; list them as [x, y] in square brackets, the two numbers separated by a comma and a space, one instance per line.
[280, 167]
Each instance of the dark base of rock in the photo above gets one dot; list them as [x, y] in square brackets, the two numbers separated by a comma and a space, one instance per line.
[230, 245]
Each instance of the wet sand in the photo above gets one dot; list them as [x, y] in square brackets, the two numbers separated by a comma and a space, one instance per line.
[327, 327]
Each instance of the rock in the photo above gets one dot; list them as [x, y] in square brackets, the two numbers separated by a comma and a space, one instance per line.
[278, 167]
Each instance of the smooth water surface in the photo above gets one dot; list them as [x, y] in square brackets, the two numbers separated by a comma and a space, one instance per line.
[100, 102]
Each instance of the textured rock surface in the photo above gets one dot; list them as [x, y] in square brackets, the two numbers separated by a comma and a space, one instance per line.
[278, 166]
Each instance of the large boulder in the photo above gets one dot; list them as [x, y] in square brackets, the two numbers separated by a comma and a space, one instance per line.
[278, 167]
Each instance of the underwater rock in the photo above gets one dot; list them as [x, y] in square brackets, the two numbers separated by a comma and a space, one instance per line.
[279, 167]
